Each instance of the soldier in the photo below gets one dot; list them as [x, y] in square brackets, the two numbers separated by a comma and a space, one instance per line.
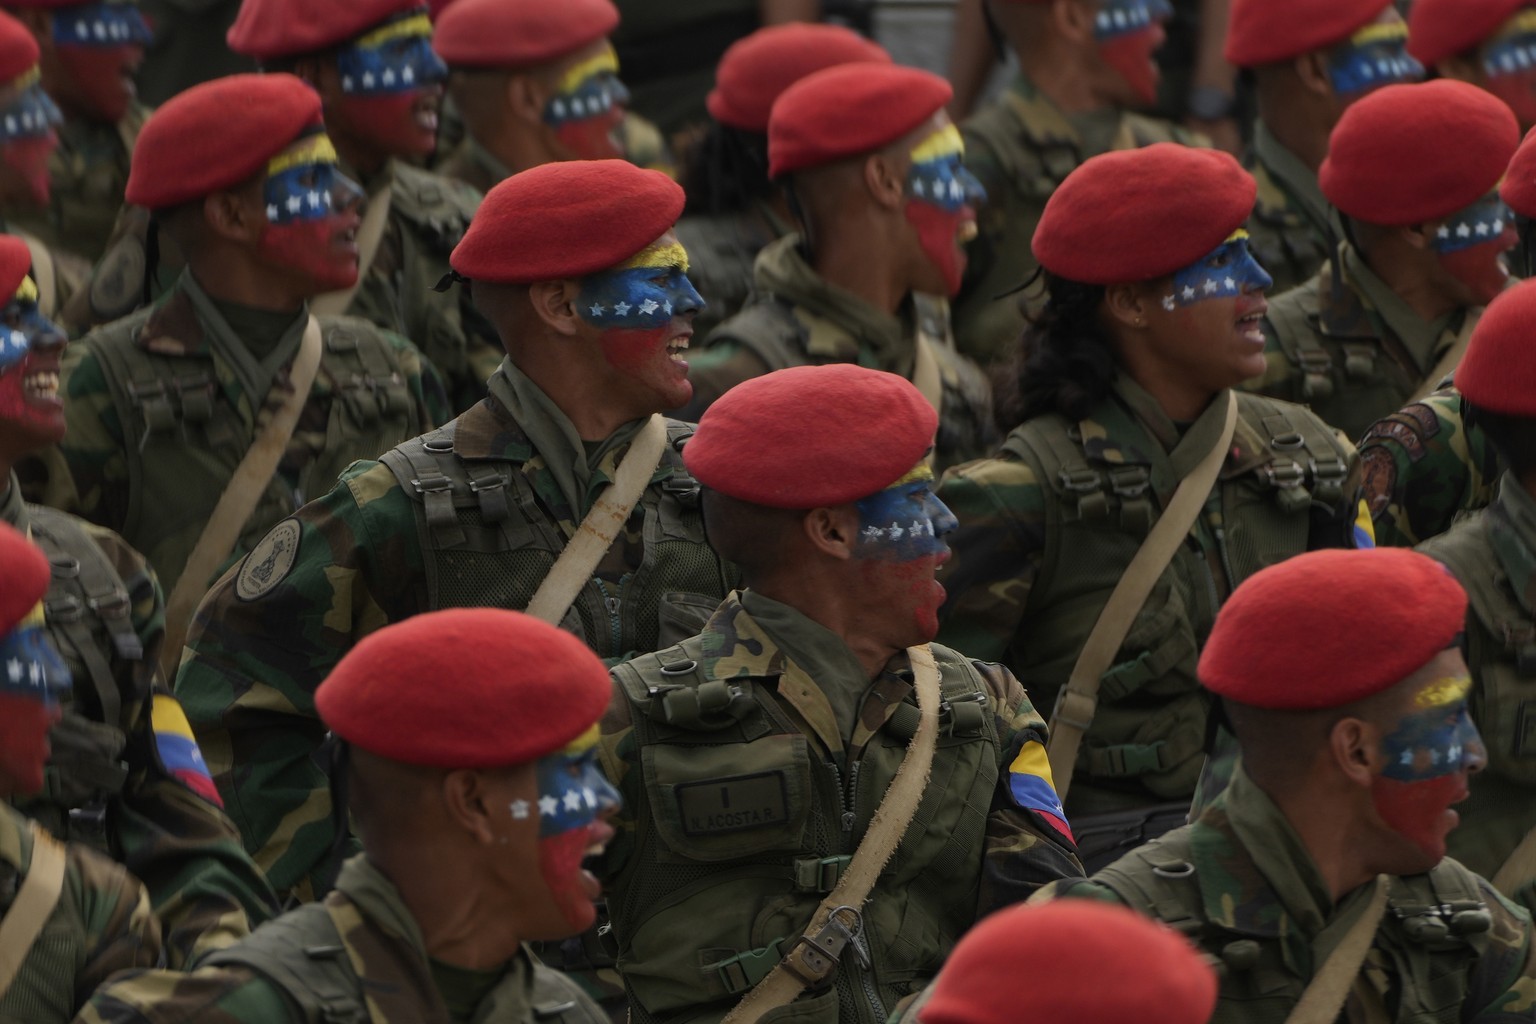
[1083, 64]
[477, 512]
[1489, 43]
[754, 756]
[477, 798]
[1426, 237]
[1322, 877]
[70, 916]
[1152, 319]
[1309, 61]
[125, 778]
[875, 167]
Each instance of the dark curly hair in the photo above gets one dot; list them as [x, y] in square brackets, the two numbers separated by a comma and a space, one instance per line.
[1066, 360]
[726, 171]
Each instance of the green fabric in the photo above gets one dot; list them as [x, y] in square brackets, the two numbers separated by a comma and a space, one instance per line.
[261, 330]
[254, 361]
[463, 989]
[1297, 179]
[1418, 335]
[1278, 852]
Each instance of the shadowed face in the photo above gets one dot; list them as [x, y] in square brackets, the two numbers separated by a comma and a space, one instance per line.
[1509, 66]
[575, 798]
[311, 210]
[899, 547]
[98, 48]
[1472, 245]
[28, 119]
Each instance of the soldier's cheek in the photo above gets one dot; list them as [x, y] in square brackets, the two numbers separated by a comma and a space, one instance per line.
[571, 887]
[1482, 268]
[593, 138]
[1419, 811]
[1130, 54]
[28, 160]
[311, 246]
[938, 231]
[403, 124]
[24, 725]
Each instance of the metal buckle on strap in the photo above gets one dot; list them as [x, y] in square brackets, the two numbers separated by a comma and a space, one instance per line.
[1080, 479]
[814, 958]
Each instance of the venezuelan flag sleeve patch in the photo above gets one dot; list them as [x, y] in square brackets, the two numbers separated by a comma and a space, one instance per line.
[1032, 788]
[178, 750]
[1365, 528]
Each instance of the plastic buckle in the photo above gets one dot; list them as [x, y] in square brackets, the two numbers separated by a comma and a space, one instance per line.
[745, 970]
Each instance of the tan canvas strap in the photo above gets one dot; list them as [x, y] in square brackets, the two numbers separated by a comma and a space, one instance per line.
[601, 526]
[35, 900]
[838, 921]
[1079, 699]
[239, 499]
[43, 274]
[369, 234]
[1449, 361]
[1324, 997]
[1519, 868]
[925, 373]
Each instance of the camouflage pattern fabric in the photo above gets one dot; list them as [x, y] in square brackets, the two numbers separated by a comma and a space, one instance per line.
[1291, 231]
[101, 924]
[722, 249]
[1241, 886]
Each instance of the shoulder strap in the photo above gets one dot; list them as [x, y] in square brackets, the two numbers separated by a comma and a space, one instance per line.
[369, 235]
[1324, 997]
[1079, 699]
[925, 373]
[34, 904]
[239, 499]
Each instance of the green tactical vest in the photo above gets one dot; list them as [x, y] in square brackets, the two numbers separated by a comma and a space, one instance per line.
[743, 814]
[487, 540]
[183, 440]
[722, 249]
[1281, 238]
[1149, 731]
[1435, 927]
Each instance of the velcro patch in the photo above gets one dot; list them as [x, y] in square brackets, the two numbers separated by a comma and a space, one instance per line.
[734, 804]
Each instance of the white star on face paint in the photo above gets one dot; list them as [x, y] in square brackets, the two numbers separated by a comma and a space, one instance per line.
[314, 199]
[589, 796]
[919, 527]
[1229, 284]
[918, 188]
[896, 532]
[13, 669]
[271, 211]
[1482, 229]
[1444, 232]
[1434, 757]
[520, 809]
[389, 76]
[408, 75]
[1169, 303]
[82, 29]
[1189, 294]
[36, 674]
[595, 309]
[955, 191]
[1498, 227]
[873, 533]
[572, 800]
[1463, 232]
[10, 123]
[1406, 759]
[622, 308]
[666, 307]
[368, 79]
[648, 307]
[1210, 287]
[294, 202]
[548, 807]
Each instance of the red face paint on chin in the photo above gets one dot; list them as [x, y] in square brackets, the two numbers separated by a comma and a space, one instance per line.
[907, 592]
[401, 124]
[938, 232]
[642, 354]
[591, 138]
[1518, 89]
[102, 78]
[28, 160]
[311, 246]
[1130, 54]
[560, 858]
[1481, 267]
[24, 725]
[1417, 810]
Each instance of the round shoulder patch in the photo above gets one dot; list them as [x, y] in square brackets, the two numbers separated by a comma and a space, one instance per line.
[269, 562]
[119, 279]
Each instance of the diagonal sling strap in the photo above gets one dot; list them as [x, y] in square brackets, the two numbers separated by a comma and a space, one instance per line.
[1448, 361]
[1079, 699]
[369, 235]
[925, 373]
[601, 525]
[1519, 868]
[35, 900]
[1324, 997]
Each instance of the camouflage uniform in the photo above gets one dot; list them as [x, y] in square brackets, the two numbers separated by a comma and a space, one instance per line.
[1020, 148]
[101, 924]
[722, 248]
[1292, 230]
[1352, 350]
[473, 514]
[1048, 527]
[106, 785]
[766, 709]
[162, 406]
[472, 165]
[1425, 467]
[796, 318]
[1241, 886]
[358, 956]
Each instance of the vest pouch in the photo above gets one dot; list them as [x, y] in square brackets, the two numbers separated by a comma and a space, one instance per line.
[681, 615]
[1159, 640]
[723, 802]
[85, 764]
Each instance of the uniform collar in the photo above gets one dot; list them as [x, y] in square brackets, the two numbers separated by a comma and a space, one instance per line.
[1295, 179]
[1422, 338]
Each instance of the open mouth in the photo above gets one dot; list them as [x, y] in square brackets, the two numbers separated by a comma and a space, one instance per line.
[41, 386]
[1252, 325]
[676, 347]
[966, 231]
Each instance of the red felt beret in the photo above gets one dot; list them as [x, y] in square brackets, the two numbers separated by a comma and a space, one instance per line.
[756, 70]
[1158, 977]
[566, 219]
[25, 571]
[811, 436]
[265, 29]
[1519, 187]
[465, 688]
[516, 33]
[1498, 372]
[1370, 618]
[18, 49]
[1417, 152]
[15, 262]
[847, 110]
[1438, 29]
[1265, 31]
[217, 134]
[1137, 214]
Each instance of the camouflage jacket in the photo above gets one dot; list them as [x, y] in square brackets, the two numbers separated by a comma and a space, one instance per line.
[1351, 350]
[100, 925]
[470, 163]
[359, 956]
[796, 318]
[366, 555]
[722, 249]
[107, 785]
[751, 759]
[1425, 467]
[1292, 229]
[163, 405]
[1241, 886]
[1048, 527]
[1020, 148]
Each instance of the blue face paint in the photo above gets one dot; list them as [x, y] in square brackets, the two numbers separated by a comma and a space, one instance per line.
[1513, 51]
[573, 791]
[1433, 740]
[101, 24]
[1375, 56]
[640, 297]
[305, 183]
[396, 57]
[1229, 271]
[23, 327]
[31, 113]
[938, 176]
[904, 522]
[29, 665]
[1124, 17]
[1482, 222]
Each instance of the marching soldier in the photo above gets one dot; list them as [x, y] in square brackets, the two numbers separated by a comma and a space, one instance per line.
[1488, 43]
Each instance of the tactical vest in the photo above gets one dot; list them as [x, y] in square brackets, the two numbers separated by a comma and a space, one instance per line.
[183, 439]
[487, 540]
[742, 813]
[1149, 730]
[722, 249]
[1282, 239]
[1435, 927]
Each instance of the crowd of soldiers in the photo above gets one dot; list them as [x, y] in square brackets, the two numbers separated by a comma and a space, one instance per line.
[825, 550]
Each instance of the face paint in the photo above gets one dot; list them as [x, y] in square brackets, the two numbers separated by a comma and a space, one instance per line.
[635, 305]
[1471, 245]
[1509, 61]
[32, 680]
[1425, 758]
[30, 346]
[900, 544]
[1375, 56]
[99, 47]
[390, 81]
[310, 213]
[941, 202]
[587, 107]
[1228, 271]
[573, 794]
[28, 118]
[1128, 33]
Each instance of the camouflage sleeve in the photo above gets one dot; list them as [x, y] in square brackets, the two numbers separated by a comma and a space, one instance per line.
[1423, 467]
[425, 382]
[211, 995]
[997, 549]
[265, 637]
[1502, 984]
[724, 363]
[112, 913]
[1076, 889]
[93, 443]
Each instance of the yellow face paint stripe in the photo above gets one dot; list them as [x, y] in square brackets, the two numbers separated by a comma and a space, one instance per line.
[1389, 33]
[27, 290]
[942, 143]
[1237, 236]
[659, 257]
[33, 617]
[420, 25]
[921, 471]
[317, 149]
[583, 743]
[26, 79]
[608, 60]
[1443, 692]
[1521, 24]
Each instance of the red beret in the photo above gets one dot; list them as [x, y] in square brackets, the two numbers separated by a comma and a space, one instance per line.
[1438, 29]
[1417, 152]
[566, 219]
[757, 69]
[1370, 619]
[18, 49]
[1159, 978]
[1519, 188]
[847, 110]
[516, 33]
[1137, 214]
[15, 262]
[811, 436]
[26, 573]
[1498, 372]
[465, 688]
[1265, 31]
[265, 29]
[217, 134]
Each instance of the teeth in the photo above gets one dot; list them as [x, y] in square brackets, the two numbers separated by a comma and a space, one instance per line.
[43, 385]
